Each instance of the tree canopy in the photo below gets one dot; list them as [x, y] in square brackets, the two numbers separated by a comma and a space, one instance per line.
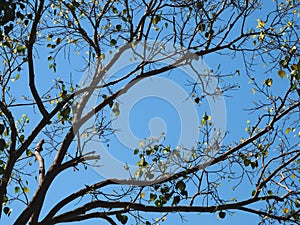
[66, 69]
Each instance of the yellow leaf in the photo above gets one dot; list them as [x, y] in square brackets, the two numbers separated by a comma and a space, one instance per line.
[156, 19]
[102, 56]
[281, 73]
[26, 189]
[116, 109]
[293, 176]
[260, 24]
[268, 82]
[287, 130]
[142, 195]
[141, 143]
[261, 36]
[285, 210]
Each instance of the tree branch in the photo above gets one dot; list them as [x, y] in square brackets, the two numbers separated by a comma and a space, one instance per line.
[128, 206]
[40, 159]
[30, 44]
[11, 158]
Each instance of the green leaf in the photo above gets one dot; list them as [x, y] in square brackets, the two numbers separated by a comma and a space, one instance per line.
[28, 153]
[122, 218]
[206, 117]
[17, 190]
[7, 211]
[2, 128]
[148, 151]
[152, 197]
[222, 214]
[184, 193]
[247, 162]
[199, 4]
[71, 7]
[136, 151]
[254, 164]
[150, 176]
[165, 189]
[58, 41]
[49, 38]
[53, 66]
[115, 10]
[180, 185]
[284, 63]
[158, 203]
[176, 200]
[118, 27]
[21, 49]
[113, 42]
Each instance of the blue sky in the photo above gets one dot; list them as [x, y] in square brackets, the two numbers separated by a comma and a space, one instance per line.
[156, 114]
[165, 115]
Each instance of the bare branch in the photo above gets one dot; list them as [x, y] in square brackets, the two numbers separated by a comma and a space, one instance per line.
[40, 159]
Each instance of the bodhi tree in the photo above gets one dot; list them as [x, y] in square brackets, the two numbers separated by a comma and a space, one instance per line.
[55, 123]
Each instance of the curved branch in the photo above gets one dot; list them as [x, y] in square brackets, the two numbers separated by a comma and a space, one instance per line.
[128, 206]
[261, 213]
[31, 41]
[40, 159]
[267, 179]
[70, 218]
[82, 192]
[11, 159]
